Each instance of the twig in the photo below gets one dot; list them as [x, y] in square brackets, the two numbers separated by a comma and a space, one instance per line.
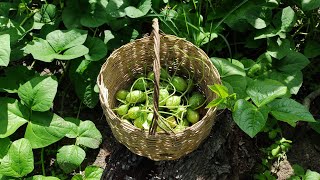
[307, 100]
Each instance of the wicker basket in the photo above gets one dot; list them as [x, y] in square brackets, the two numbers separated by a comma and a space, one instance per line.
[133, 58]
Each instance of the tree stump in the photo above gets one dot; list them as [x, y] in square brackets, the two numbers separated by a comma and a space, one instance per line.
[226, 154]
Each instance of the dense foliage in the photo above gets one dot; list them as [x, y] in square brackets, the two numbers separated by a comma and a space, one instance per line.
[261, 49]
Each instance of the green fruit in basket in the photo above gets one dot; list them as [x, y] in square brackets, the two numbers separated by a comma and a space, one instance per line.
[192, 116]
[196, 100]
[179, 128]
[150, 75]
[164, 74]
[134, 112]
[122, 94]
[163, 96]
[171, 121]
[140, 84]
[141, 122]
[136, 96]
[122, 109]
[184, 122]
[173, 102]
[179, 83]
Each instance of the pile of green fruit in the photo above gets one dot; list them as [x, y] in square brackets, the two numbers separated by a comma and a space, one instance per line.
[180, 102]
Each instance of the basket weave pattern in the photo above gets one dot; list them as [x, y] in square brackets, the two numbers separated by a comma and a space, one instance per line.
[134, 58]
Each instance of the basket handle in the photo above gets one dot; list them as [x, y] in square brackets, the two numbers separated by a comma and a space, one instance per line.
[156, 70]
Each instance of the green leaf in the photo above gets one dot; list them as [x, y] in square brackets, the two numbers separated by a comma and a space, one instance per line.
[59, 44]
[19, 160]
[4, 144]
[88, 135]
[86, 13]
[215, 102]
[46, 128]
[249, 118]
[290, 111]
[40, 177]
[311, 175]
[46, 15]
[298, 170]
[15, 76]
[97, 49]
[77, 177]
[12, 116]
[288, 19]
[39, 92]
[264, 91]
[93, 172]
[226, 68]
[5, 49]
[315, 126]
[293, 80]
[308, 5]
[83, 75]
[69, 157]
[85, 132]
[143, 8]
[294, 61]
[220, 90]
[278, 49]
[108, 35]
[312, 49]
[239, 85]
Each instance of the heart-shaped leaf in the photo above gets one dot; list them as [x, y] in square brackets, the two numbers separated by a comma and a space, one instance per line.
[70, 157]
[40, 177]
[85, 132]
[4, 144]
[290, 111]
[39, 92]
[97, 49]
[46, 128]
[264, 91]
[12, 115]
[142, 9]
[294, 61]
[250, 118]
[19, 160]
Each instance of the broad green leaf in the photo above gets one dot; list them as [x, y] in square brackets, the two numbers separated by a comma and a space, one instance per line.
[97, 49]
[83, 75]
[4, 144]
[12, 116]
[311, 175]
[298, 170]
[249, 118]
[15, 76]
[40, 177]
[93, 172]
[85, 132]
[41, 50]
[77, 177]
[215, 102]
[312, 49]
[5, 8]
[88, 135]
[62, 40]
[290, 111]
[70, 157]
[39, 92]
[46, 128]
[264, 91]
[239, 85]
[294, 61]
[220, 90]
[19, 160]
[5, 49]
[293, 80]
[258, 16]
[308, 5]
[108, 35]
[59, 44]
[142, 9]
[278, 49]
[226, 68]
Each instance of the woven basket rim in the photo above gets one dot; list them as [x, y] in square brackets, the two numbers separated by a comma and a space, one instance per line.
[105, 90]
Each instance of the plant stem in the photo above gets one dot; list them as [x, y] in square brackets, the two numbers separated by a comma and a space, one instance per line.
[307, 100]
[42, 162]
